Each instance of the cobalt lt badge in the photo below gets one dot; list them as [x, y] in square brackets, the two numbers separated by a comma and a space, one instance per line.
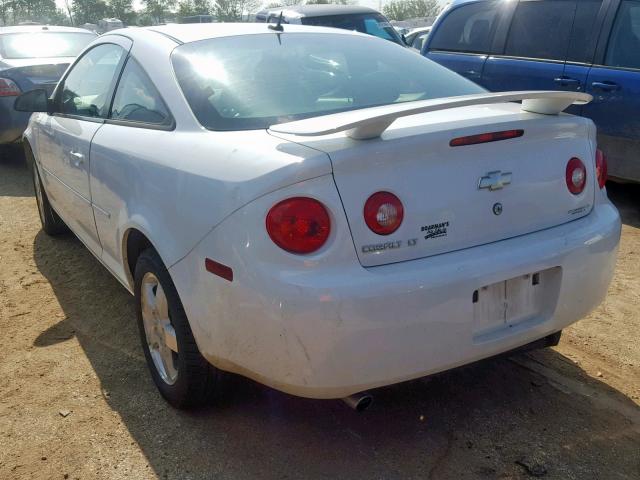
[497, 208]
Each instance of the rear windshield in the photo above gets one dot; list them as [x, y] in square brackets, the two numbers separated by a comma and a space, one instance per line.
[371, 23]
[254, 81]
[43, 44]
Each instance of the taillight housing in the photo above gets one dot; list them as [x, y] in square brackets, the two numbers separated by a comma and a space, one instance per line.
[576, 176]
[601, 168]
[299, 224]
[383, 213]
[8, 88]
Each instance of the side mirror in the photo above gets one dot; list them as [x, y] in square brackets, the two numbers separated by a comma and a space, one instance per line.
[32, 101]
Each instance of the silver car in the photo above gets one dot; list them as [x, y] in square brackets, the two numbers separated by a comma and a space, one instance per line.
[33, 57]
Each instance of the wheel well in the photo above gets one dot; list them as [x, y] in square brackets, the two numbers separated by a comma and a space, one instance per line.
[136, 243]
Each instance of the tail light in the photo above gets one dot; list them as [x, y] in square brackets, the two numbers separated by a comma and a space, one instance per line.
[8, 88]
[299, 225]
[576, 176]
[601, 168]
[383, 213]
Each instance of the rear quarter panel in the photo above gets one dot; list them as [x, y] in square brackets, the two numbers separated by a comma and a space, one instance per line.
[176, 186]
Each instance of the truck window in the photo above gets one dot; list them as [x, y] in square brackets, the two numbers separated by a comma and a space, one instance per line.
[467, 29]
[624, 43]
[541, 29]
[580, 49]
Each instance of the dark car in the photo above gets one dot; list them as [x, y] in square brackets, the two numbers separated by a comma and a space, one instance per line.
[33, 57]
[347, 17]
[578, 45]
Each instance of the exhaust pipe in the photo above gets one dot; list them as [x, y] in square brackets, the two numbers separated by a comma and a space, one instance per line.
[359, 401]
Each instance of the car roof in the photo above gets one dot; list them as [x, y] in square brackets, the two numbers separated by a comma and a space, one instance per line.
[298, 11]
[193, 32]
[42, 28]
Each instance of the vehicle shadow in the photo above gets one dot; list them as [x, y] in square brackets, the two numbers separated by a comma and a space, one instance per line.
[627, 198]
[15, 180]
[497, 418]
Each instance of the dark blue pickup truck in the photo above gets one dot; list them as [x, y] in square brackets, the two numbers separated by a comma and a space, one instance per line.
[577, 45]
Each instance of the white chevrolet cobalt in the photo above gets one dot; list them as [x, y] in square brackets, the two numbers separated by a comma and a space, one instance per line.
[285, 206]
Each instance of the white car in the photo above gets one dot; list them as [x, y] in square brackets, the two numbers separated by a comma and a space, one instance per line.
[284, 206]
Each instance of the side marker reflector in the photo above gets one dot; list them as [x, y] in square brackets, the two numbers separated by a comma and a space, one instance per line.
[218, 269]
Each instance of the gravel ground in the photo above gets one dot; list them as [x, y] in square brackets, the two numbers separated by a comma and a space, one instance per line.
[76, 400]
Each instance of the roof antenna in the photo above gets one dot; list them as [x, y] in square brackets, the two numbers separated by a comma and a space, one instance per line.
[278, 26]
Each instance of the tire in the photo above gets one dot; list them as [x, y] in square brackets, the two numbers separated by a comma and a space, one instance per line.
[183, 377]
[52, 224]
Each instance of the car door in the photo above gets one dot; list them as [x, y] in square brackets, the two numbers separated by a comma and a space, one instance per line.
[535, 48]
[463, 37]
[614, 82]
[139, 116]
[81, 104]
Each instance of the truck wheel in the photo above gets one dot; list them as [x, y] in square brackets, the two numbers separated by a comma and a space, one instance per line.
[185, 379]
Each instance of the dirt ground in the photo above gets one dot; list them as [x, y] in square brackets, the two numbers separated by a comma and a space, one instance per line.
[76, 400]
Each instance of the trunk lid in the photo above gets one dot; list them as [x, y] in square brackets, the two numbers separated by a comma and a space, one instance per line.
[444, 208]
[30, 74]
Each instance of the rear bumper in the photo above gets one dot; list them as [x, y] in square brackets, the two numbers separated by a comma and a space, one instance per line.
[330, 332]
[12, 123]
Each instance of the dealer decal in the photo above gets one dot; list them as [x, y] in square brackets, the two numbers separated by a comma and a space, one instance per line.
[435, 230]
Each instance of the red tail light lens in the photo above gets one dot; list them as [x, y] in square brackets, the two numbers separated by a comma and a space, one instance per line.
[576, 176]
[8, 88]
[383, 213]
[485, 138]
[601, 168]
[299, 225]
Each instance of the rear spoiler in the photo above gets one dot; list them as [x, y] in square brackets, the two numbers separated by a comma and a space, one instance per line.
[370, 122]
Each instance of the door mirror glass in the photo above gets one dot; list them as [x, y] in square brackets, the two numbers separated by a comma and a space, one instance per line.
[32, 101]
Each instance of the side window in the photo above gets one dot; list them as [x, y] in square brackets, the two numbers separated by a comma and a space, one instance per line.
[87, 87]
[137, 100]
[541, 29]
[624, 43]
[580, 48]
[468, 28]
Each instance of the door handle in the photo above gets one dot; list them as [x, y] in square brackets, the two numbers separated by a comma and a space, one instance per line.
[566, 81]
[606, 86]
[78, 158]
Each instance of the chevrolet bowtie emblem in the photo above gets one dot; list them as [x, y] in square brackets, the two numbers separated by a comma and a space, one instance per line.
[494, 180]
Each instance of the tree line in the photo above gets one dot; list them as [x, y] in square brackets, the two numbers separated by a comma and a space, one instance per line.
[405, 9]
[78, 12]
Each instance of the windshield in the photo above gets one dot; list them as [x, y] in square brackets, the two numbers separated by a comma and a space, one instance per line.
[371, 23]
[43, 45]
[254, 81]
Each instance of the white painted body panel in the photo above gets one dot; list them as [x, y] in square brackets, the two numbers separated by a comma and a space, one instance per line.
[438, 184]
[327, 327]
[65, 172]
[320, 325]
